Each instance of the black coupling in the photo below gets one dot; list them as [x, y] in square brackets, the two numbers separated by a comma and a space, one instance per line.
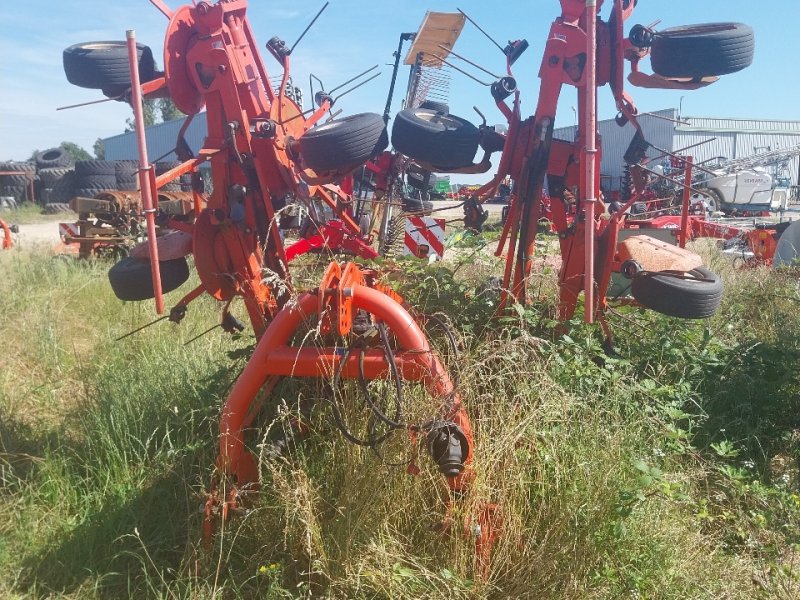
[503, 88]
[448, 447]
[278, 47]
[641, 37]
[321, 97]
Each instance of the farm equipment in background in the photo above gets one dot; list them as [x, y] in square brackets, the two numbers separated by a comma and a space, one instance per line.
[754, 184]
[262, 149]
[586, 52]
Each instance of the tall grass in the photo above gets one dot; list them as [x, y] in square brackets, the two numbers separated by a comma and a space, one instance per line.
[668, 471]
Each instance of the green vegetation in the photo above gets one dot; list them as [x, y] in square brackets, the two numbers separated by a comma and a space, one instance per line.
[668, 471]
[27, 213]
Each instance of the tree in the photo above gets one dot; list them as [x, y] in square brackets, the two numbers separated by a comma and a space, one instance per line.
[149, 113]
[168, 110]
[75, 151]
[99, 149]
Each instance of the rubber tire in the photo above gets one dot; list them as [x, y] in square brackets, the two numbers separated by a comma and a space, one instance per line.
[441, 107]
[94, 167]
[104, 66]
[163, 167]
[704, 50]
[681, 298]
[54, 208]
[445, 141]
[344, 144]
[22, 179]
[131, 278]
[18, 167]
[19, 193]
[89, 192]
[127, 174]
[53, 159]
[50, 177]
[100, 182]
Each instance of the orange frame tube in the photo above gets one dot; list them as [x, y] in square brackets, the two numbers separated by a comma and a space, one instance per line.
[272, 357]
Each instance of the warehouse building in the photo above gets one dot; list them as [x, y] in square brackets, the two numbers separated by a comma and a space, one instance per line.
[709, 139]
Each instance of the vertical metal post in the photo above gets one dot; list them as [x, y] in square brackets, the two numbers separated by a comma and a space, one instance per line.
[146, 182]
[590, 156]
[687, 191]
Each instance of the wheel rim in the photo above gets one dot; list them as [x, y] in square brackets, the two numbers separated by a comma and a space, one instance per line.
[432, 117]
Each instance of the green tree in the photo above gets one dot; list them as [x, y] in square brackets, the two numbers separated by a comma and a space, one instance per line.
[99, 149]
[75, 151]
[168, 110]
[149, 113]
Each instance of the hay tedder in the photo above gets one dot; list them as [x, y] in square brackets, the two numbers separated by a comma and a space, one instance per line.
[586, 52]
[263, 149]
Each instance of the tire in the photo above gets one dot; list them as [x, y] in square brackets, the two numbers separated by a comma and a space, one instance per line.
[675, 297]
[53, 158]
[49, 177]
[344, 144]
[18, 192]
[127, 174]
[702, 50]
[100, 182]
[18, 167]
[444, 141]
[21, 179]
[88, 192]
[85, 168]
[440, 107]
[104, 66]
[163, 167]
[131, 278]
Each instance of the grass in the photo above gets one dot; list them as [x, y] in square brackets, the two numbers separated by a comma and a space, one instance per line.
[669, 471]
[28, 213]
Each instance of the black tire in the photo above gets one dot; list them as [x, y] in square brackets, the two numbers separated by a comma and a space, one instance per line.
[441, 107]
[677, 297]
[21, 179]
[100, 182]
[104, 66]
[344, 144]
[131, 278]
[444, 141]
[94, 167]
[53, 158]
[88, 192]
[18, 167]
[127, 173]
[49, 177]
[702, 50]
[18, 192]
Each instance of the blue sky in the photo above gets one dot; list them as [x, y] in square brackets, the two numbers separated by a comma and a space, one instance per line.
[353, 35]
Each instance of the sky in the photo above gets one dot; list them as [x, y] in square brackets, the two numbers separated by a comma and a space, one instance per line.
[353, 35]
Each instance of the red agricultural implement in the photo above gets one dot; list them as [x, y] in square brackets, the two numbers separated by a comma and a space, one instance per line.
[262, 149]
[8, 241]
[585, 52]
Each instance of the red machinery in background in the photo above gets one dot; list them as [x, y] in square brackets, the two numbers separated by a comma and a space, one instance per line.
[263, 148]
[586, 52]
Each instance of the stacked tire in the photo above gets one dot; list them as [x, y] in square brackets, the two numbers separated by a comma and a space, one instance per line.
[55, 172]
[93, 177]
[17, 181]
[127, 175]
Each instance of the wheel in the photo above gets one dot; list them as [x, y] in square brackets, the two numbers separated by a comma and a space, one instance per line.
[53, 158]
[18, 167]
[49, 177]
[696, 297]
[18, 192]
[445, 141]
[127, 174]
[713, 201]
[344, 144]
[92, 192]
[439, 107]
[18, 179]
[104, 66]
[54, 208]
[702, 50]
[94, 167]
[98, 182]
[131, 278]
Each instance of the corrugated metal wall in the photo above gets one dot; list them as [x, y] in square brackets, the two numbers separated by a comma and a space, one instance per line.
[739, 138]
[161, 140]
[616, 139]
